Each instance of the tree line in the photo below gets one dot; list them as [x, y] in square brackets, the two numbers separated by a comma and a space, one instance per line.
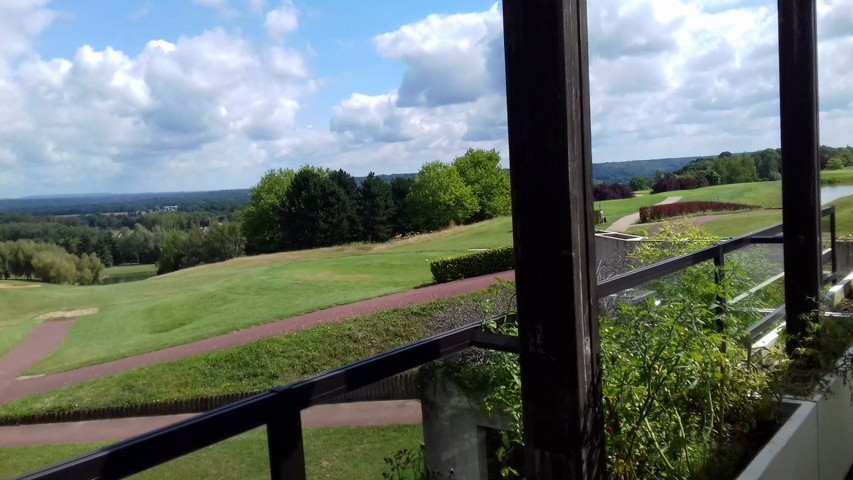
[315, 207]
[48, 263]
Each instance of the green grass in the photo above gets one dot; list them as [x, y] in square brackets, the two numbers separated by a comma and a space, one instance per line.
[248, 368]
[330, 453]
[736, 224]
[837, 177]
[843, 217]
[761, 194]
[201, 302]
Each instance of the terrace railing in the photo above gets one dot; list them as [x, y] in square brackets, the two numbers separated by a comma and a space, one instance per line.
[279, 409]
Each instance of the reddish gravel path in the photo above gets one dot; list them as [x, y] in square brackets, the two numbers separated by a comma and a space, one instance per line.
[361, 414]
[29, 386]
[39, 343]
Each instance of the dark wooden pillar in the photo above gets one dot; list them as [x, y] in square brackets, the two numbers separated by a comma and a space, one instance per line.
[800, 163]
[550, 168]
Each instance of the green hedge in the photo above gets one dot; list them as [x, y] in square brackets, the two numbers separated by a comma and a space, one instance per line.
[473, 265]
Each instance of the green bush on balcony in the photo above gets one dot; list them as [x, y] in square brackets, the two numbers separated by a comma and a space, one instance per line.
[473, 265]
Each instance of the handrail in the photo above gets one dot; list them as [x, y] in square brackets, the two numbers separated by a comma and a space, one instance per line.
[280, 407]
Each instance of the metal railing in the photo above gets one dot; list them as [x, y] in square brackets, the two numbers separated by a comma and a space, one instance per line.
[280, 407]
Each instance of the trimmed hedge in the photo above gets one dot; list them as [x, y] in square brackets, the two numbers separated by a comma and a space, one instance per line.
[473, 265]
[660, 212]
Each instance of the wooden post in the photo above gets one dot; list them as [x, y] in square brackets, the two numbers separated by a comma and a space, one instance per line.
[284, 441]
[800, 163]
[551, 168]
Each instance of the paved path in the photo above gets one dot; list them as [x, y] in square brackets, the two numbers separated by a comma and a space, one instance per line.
[625, 222]
[28, 386]
[360, 414]
[39, 343]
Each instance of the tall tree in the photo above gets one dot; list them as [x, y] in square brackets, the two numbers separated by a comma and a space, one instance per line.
[440, 198]
[347, 183]
[400, 221]
[315, 212]
[482, 173]
[260, 218]
[376, 208]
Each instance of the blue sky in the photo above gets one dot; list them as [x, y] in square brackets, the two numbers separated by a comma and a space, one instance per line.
[155, 95]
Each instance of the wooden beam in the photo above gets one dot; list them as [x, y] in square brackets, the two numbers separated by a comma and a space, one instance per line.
[800, 163]
[550, 167]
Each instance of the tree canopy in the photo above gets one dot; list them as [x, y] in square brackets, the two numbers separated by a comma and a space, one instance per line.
[439, 198]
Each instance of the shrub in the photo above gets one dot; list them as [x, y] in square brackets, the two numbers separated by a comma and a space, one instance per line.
[473, 265]
[660, 212]
[672, 181]
[611, 191]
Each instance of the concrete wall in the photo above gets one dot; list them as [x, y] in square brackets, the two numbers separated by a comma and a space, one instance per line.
[454, 435]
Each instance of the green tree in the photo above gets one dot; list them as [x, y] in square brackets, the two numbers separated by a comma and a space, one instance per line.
[347, 183]
[260, 218]
[638, 183]
[400, 221]
[375, 208]
[439, 198]
[835, 163]
[315, 212]
[482, 173]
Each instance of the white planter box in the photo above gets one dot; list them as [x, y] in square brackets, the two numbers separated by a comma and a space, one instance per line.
[816, 442]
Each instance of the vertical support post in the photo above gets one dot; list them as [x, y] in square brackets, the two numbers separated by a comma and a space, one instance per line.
[719, 278]
[545, 45]
[800, 165]
[284, 440]
[832, 241]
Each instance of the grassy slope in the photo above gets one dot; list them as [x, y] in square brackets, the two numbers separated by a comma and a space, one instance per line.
[763, 194]
[247, 368]
[837, 177]
[132, 270]
[330, 453]
[205, 301]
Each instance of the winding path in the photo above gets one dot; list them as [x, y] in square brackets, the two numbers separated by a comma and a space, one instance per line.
[41, 344]
[360, 414]
[625, 222]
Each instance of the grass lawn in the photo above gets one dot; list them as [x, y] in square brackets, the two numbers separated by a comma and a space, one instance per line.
[201, 302]
[252, 367]
[843, 217]
[735, 224]
[330, 453]
[837, 177]
[762, 194]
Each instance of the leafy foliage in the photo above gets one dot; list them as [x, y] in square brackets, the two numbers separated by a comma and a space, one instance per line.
[439, 198]
[316, 211]
[48, 263]
[473, 265]
[216, 243]
[375, 209]
[481, 171]
[611, 191]
[659, 212]
[265, 198]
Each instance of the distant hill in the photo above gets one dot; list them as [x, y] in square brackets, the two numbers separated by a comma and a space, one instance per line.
[622, 172]
[222, 201]
[219, 201]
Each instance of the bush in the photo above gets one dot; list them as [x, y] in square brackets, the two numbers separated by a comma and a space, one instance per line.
[672, 181]
[660, 212]
[611, 191]
[473, 265]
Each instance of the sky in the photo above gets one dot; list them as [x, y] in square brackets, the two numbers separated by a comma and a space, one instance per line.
[179, 95]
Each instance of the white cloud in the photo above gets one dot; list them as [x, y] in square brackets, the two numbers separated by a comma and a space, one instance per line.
[668, 77]
[20, 22]
[282, 20]
[107, 120]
